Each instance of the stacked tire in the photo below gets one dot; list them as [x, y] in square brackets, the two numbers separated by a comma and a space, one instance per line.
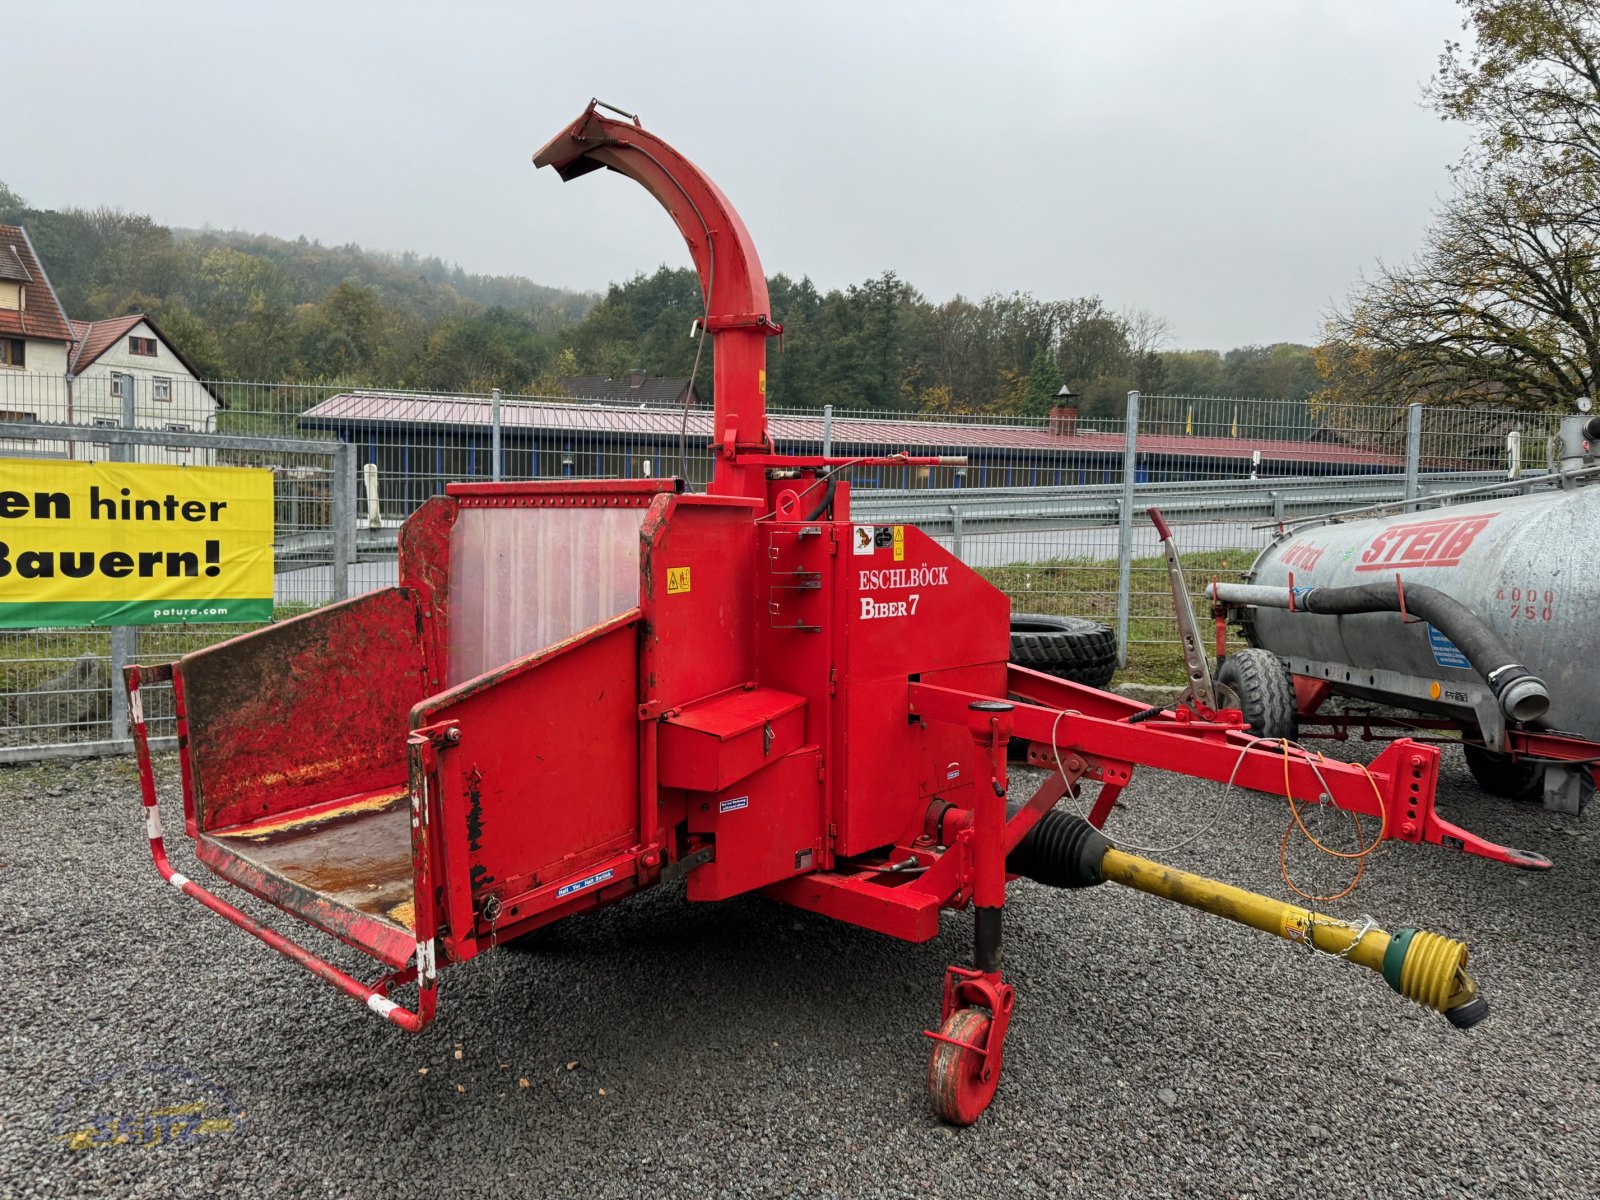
[1072, 648]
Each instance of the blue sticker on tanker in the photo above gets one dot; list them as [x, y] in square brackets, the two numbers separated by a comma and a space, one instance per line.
[734, 805]
[568, 888]
[1445, 652]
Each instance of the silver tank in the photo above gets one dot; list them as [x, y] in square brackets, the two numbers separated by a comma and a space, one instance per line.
[1527, 566]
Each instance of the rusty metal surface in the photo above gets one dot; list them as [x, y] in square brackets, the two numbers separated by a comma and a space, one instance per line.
[305, 711]
[346, 870]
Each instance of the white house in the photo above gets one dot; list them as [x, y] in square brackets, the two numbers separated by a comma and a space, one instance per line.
[112, 358]
[53, 369]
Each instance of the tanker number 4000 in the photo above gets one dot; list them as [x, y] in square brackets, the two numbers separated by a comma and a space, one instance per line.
[871, 610]
[1528, 604]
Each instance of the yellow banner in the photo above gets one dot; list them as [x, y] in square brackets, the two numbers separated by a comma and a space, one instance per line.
[93, 543]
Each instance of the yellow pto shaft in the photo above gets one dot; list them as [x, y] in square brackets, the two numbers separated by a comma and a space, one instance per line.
[1065, 851]
[1421, 966]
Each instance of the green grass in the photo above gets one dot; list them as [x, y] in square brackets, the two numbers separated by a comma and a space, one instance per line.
[1088, 588]
[28, 657]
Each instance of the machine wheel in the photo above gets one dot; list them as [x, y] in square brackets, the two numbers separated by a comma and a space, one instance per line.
[1072, 648]
[1265, 690]
[956, 1086]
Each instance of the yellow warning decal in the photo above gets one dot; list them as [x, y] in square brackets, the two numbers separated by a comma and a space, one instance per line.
[1295, 925]
[899, 543]
[761, 381]
[677, 580]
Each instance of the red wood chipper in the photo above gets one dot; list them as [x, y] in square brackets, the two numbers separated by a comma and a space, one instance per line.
[580, 689]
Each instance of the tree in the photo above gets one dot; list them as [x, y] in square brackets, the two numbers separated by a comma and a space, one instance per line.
[1044, 381]
[1502, 304]
[12, 206]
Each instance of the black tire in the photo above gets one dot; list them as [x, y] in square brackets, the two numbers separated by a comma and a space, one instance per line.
[1500, 776]
[1073, 648]
[1265, 690]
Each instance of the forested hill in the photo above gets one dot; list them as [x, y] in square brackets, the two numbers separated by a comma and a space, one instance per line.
[255, 307]
[252, 306]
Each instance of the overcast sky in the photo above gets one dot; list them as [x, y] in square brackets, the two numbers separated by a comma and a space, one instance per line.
[1231, 165]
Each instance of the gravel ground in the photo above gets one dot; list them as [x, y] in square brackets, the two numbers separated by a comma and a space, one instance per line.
[747, 1049]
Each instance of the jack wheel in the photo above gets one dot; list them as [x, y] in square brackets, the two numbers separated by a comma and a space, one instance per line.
[957, 1088]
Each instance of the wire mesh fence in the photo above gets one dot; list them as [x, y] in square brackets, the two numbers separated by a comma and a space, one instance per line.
[1038, 506]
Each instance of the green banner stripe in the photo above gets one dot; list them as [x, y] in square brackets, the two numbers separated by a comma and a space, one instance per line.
[69, 613]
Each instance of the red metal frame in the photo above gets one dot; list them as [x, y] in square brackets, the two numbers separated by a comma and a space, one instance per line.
[374, 995]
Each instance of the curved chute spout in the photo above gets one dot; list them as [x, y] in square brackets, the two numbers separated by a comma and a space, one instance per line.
[738, 313]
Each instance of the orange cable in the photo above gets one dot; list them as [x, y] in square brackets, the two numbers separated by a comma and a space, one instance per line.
[1360, 855]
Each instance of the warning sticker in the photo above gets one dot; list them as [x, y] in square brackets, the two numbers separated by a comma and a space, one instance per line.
[734, 805]
[899, 543]
[1445, 652]
[866, 539]
[677, 580]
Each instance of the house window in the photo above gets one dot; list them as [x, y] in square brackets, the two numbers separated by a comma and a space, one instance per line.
[178, 452]
[144, 346]
[7, 414]
[11, 294]
[106, 423]
[116, 385]
[13, 352]
[160, 389]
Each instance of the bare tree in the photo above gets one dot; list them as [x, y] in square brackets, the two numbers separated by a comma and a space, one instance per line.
[1502, 304]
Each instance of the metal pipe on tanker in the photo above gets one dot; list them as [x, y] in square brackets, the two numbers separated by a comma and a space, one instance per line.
[1522, 695]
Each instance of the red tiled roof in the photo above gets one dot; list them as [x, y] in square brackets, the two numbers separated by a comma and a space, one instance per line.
[96, 337]
[41, 315]
[380, 408]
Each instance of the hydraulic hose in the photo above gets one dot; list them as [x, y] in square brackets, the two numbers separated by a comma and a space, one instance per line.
[824, 504]
[1066, 851]
[1522, 694]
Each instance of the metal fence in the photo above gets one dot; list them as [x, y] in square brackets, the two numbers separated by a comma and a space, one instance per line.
[1050, 507]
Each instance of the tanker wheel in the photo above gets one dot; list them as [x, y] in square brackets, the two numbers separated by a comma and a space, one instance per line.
[1265, 690]
[1500, 776]
[1073, 648]
[956, 1086]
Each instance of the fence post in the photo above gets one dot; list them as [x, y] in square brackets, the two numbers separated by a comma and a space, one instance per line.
[1130, 464]
[122, 636]
[955, 531]
[827, 431]
[1413, 453]
[343, 516]
[494, 434]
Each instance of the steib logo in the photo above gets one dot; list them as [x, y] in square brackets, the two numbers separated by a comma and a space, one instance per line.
[150, 1105]
[1422, 543]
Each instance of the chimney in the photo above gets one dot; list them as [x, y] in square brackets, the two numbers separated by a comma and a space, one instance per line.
[1064, 420]
[635, 379]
